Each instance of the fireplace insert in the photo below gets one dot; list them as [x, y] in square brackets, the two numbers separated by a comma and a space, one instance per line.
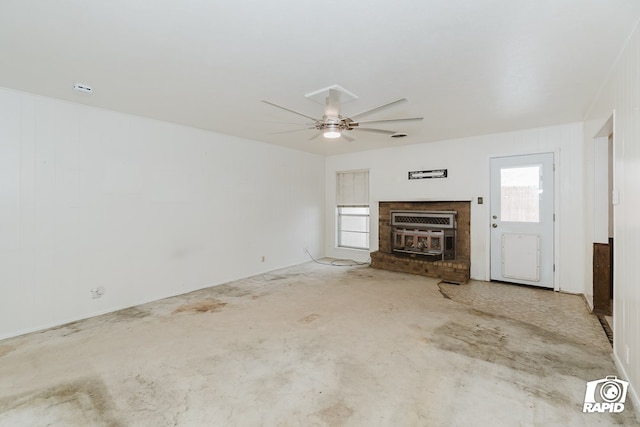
[430, 234]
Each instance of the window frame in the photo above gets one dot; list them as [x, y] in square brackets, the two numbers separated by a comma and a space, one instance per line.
[339, 229]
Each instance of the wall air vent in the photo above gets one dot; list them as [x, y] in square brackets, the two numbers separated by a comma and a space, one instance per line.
[81, 87]
[436, 173]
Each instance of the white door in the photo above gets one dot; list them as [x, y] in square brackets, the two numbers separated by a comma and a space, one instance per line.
[522, 219]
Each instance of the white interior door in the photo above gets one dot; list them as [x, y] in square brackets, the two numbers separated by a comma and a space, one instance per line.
[522, 219]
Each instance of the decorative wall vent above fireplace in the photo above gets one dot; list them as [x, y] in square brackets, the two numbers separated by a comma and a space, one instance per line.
[431, 234]
[436, 173]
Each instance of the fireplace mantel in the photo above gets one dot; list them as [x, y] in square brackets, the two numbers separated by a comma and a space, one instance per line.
[425, 201]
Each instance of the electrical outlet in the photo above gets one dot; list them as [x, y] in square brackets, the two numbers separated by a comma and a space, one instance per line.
[97, 292]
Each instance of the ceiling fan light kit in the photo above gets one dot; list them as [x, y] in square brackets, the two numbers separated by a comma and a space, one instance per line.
[333, 125]
[332, 132]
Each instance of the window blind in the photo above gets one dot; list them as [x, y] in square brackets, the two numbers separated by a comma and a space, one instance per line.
[352, 188]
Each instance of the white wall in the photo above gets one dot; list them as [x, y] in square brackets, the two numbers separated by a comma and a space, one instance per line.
[467, 161]
[145, 209]
[600, 148]
[621, 96]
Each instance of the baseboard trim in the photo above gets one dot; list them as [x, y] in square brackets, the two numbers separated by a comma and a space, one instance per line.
[631, 392]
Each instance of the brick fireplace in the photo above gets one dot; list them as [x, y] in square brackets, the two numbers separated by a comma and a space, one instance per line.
[416, 259]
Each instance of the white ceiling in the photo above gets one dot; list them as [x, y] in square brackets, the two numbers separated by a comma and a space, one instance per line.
[469, 67]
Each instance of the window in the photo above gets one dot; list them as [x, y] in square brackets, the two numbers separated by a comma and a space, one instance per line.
[520, 194]
[352, 200]
[353, 227]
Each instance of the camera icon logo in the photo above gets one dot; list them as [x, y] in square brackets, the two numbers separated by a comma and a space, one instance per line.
[605, 395]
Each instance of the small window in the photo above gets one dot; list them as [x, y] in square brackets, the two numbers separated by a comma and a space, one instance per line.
[352, 200]
[353, 227]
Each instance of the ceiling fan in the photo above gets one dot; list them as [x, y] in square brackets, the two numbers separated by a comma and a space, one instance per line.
[333, 125]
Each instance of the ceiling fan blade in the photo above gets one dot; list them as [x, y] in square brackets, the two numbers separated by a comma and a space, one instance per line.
[287, 109]
[408, 119]
[290, 131]
[381, 107]
[282, 123]
[347, 137]
[386, 132]
[315, 136]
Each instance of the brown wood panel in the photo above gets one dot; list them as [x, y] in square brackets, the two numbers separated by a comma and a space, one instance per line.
[602, 291]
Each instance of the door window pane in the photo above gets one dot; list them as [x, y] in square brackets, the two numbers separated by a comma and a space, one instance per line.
[520, 194]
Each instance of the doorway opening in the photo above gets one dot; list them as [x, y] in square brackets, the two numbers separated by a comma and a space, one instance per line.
[603, 239]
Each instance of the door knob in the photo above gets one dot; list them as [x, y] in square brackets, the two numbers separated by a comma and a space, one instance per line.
[494, 225]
